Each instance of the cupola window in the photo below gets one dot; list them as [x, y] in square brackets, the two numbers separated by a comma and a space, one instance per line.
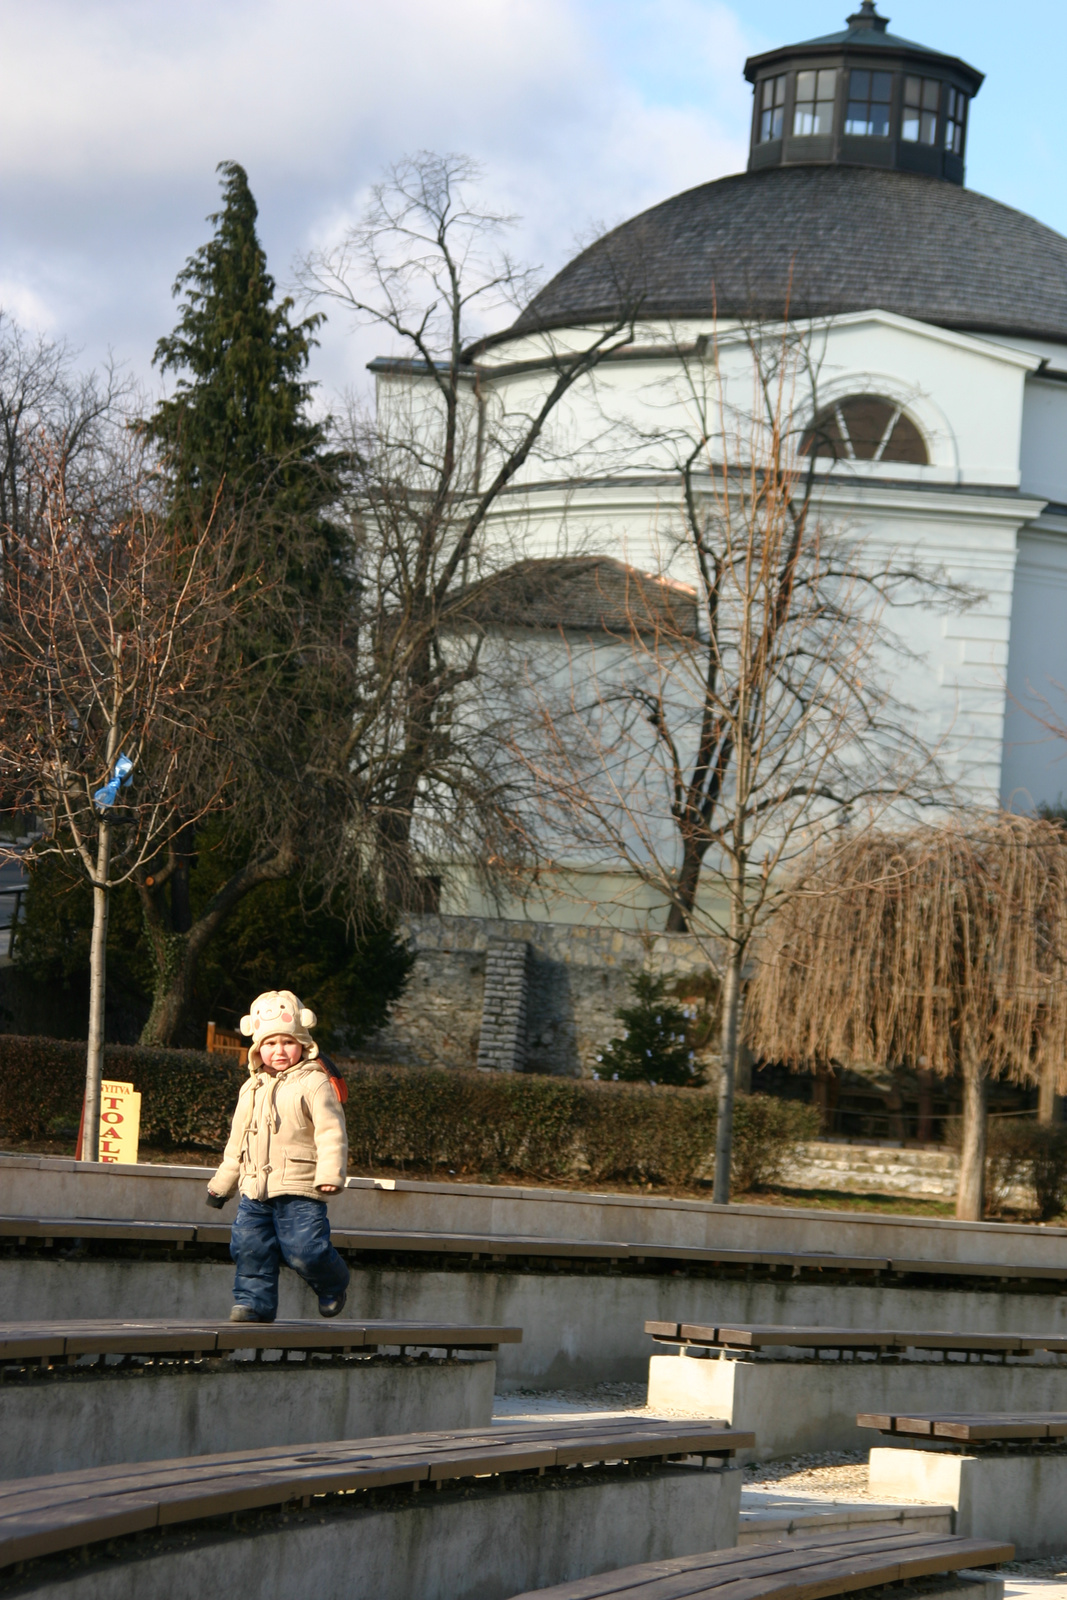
[772, 108]
[868, 104]
[865, 428]
[814, 109]
[956, 116]
[921, 100]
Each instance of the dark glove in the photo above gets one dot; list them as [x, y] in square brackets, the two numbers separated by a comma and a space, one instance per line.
[216, 1200]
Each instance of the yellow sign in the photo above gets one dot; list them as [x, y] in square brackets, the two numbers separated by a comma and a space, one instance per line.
[120, 1122]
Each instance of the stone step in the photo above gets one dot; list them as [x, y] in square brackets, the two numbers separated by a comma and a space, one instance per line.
[931, 1172]
[768, 1517]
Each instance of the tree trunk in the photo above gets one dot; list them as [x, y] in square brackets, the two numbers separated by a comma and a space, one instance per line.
[925, 1129]
[177, 954]
[94, 1059]
[970, 1199]
[731, 1019]
[686, 888]
[1048, 1101]
[176, 963]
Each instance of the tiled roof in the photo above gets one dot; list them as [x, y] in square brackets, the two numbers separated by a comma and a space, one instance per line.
[848, 238]
[588, 594]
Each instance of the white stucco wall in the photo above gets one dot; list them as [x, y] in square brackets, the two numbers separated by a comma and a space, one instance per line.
[1035, 759]
[993, 421]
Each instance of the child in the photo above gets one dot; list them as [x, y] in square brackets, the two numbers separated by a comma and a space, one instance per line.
[288, 1147]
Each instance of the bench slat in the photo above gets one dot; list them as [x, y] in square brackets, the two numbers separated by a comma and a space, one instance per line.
[45, 1532]
[755, 1336]
[28, 1340]
[805, 1568]
[48, 1514]
[970, 1425]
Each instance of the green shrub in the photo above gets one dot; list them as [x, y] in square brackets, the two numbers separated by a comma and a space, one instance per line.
[187, 1097]
[470, 1123]
[766, 1133]
[646, 1134]
[1020, 1152]
[1048, 1171]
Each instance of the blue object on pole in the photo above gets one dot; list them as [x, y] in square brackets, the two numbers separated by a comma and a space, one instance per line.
[120, 778]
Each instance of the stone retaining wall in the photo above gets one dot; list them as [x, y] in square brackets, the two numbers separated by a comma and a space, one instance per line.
[576, 977]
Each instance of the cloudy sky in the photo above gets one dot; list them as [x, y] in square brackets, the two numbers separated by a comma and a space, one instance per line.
[114, 113]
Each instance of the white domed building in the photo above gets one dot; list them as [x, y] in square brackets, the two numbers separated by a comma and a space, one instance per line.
[940, 322]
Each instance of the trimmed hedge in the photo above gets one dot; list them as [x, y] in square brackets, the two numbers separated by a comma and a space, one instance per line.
[528, 1125]
[187, 1097]
[478, 1123]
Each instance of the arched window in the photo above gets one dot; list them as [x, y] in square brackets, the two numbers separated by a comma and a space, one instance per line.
[865, 428]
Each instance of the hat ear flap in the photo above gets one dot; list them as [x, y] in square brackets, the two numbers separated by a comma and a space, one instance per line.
[246, 1026]
[308, 1018]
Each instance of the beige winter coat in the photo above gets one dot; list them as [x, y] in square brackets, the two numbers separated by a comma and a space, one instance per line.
[288, 1136]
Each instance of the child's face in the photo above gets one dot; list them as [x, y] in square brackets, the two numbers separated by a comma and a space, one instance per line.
[279, 1051]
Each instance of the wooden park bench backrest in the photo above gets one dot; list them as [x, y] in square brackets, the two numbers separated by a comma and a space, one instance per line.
[221, 1042]
[798, 1569]
[41, 1516]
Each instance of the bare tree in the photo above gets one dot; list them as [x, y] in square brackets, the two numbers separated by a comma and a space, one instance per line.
[111, 632]
[941, 948]
[437, 470]
[738, 714]
[41, 395]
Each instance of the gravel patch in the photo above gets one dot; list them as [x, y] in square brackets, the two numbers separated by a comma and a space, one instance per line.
[605, 1399]
[826, 1475]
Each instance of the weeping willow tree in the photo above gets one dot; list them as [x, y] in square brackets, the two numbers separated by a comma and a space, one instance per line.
[940, 949]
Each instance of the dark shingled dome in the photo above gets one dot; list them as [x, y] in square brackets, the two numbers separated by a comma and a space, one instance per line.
[853, 238]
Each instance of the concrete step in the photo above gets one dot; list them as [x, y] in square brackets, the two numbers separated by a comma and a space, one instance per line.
[1009, 1493]
[768, 1516]
[422, 1517]
[583, 1317]
[805, 1406]
[70, 1418]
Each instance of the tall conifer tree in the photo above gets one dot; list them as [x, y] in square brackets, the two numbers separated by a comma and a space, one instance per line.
[236, 442]
[237, 421]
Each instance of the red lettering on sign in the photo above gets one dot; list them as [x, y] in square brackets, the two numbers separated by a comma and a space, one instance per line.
[112, 1116]
[114, 1100]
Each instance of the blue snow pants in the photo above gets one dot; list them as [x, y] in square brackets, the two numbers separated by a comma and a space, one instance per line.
[288, 1228]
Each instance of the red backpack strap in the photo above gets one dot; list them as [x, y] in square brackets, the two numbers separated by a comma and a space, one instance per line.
[336, 1077]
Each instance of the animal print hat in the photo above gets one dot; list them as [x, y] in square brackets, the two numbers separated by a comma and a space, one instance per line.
[278, 1011]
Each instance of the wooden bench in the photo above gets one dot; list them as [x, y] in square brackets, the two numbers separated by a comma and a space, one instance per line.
[47, 1342]
[756, 1337]
[971, 1427]
[502, 1246]
[806, 1568]
[223, 1042]
[44, 1516]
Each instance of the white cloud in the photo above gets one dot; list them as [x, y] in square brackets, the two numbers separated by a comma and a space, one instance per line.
[114, 113]
[22, 302]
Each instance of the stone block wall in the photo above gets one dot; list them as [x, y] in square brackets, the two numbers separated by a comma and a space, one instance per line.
[502, 1035]
[576, 977]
